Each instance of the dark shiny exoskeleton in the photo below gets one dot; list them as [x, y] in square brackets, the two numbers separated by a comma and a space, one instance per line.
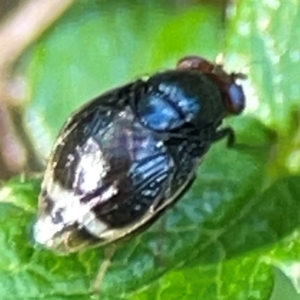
[129, 154]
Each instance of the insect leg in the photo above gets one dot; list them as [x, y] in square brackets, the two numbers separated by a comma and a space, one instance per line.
[227, 133]
[159, 257]
[97, 283]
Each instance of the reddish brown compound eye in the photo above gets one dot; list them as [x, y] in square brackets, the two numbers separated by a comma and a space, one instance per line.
[196, 62]
[235, 99]
[233, 94]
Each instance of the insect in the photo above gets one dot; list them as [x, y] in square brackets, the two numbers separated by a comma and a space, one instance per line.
[126, 156]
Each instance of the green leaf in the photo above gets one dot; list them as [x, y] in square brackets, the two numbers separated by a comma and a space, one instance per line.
[201, 225]
[217, 275]
[283, 288]
[240, 218]
[246, 277]
[22, 192]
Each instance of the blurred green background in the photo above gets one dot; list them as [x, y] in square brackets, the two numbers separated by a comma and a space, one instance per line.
[235, 235]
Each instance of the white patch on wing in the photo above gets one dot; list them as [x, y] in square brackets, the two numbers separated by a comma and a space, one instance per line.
[92, 166]
[94, 226]
[72, 211]
[44, 231]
